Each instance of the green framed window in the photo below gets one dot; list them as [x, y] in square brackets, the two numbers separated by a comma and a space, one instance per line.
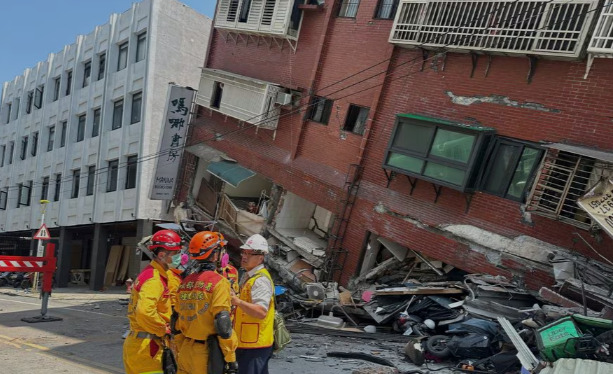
[439, 151]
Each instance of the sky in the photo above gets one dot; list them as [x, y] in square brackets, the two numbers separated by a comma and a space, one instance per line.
[31, 29]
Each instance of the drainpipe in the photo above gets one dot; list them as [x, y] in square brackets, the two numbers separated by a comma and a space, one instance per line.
[314, 73]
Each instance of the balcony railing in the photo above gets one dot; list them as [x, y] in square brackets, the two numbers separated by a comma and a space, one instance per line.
[262, 17]
[601, 44]
[536, 27]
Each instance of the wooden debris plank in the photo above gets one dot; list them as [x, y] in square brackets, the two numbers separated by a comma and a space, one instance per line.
[419, 291]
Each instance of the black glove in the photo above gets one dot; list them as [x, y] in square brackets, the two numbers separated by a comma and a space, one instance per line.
[231, 368]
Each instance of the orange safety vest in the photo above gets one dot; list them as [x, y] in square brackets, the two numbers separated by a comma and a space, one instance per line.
[253, 332]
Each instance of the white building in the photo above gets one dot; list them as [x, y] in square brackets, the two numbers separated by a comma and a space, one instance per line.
[79, 130]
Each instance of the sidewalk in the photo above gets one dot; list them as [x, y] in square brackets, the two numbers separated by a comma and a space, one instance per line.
[73, 292]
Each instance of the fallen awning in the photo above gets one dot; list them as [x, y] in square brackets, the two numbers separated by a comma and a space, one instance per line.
[230, 172]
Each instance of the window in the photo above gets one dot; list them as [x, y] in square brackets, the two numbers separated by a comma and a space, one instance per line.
[131, 172]
[87, 72]
[76, 178]
[56, 88]
[34, 148]
[38, 98]
[386, 9]
[319, 110]
[2, 155]
[356, 119]
[25, 190]
[16, 108]
[24, 148]
[91, 174]
[81, 128]
[58, 186]
[137, 100]
[11, 151]
[141, 46]
[232, 8]
[244, 13]
[44, 193]
[217, 94]
[510, 169]
[439, 151]
[101, 65]
[96, 124]
[4, 198]
[122, 60]
[51, 138]
[565, 176]
[117, 114]
[29, 102]
[349, 8]
[63, 130]
[111, 181]
[68, 82]
[8, 113]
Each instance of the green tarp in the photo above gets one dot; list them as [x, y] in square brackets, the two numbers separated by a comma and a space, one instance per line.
[230, 172]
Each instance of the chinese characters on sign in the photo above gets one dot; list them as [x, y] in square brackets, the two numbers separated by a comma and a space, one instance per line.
[598, 203]
[174, 130]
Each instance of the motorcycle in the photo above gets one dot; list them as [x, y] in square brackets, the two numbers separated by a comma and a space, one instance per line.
[15, 279]
[4, 278]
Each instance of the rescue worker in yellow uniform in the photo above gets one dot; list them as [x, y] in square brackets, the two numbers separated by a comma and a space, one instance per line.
[203, 304]
[149, 309]
[255, 314]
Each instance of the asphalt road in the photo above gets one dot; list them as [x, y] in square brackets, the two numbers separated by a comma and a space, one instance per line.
[88, 340]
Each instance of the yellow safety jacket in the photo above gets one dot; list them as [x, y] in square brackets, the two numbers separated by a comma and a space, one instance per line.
[200, 298]
[174, 281]
[149, 307]
[253, 332]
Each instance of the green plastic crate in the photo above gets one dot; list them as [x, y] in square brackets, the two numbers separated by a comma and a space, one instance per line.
[553, 340]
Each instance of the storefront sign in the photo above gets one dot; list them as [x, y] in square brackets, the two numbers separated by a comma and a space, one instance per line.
[174, 130]
[598, 203]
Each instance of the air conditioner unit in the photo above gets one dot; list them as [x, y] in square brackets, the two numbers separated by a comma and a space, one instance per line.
[284, 98]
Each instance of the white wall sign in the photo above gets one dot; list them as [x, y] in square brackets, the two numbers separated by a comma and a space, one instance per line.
[598, 203]
[178, 106]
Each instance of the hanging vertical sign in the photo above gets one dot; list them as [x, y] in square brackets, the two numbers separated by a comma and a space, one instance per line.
[174, 130]
[598, 203]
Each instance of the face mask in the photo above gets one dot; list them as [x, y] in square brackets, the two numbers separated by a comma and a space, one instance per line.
[176, 261]
[225, 259]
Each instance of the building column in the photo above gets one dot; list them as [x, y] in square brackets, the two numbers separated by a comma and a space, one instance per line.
[98, 260]
[62, 274]
[144, 228]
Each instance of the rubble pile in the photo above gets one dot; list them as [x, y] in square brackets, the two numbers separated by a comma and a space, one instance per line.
[471, 322]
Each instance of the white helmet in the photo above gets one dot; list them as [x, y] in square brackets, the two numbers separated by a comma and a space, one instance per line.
[257, 243]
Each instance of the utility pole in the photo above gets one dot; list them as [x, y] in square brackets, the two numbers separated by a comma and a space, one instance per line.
[41, 247]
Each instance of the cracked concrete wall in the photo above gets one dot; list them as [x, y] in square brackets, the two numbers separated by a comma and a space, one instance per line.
[499, 100]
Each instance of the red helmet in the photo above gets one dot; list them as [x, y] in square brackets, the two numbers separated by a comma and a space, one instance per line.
[166, 239]
[204, 243]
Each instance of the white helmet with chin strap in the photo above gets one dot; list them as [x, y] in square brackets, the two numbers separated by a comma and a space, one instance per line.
[256, 243]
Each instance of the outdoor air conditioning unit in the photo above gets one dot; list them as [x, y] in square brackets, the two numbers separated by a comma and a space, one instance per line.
[284, 98]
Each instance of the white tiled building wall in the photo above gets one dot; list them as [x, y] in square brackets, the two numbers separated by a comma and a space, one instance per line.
[175, 43]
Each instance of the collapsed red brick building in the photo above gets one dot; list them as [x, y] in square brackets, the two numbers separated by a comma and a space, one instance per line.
[464, 131]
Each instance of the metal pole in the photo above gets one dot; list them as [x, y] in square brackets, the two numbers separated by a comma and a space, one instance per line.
[40, 252]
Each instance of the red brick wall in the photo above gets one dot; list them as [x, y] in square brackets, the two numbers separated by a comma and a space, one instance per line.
[579, 111]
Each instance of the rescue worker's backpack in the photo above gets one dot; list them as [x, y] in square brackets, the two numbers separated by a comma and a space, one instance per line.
[282, 336]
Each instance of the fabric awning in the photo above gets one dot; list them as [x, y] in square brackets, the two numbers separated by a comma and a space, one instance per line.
[230, 172]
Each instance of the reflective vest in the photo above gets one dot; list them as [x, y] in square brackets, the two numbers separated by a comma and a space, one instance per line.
[253, 332]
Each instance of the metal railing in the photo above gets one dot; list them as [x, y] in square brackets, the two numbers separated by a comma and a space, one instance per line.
[537, 27]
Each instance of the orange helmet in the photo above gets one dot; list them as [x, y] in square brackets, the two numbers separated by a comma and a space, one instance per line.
[166, 239]
[204, 243]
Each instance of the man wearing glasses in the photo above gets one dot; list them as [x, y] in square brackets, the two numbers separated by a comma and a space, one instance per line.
[255, 309]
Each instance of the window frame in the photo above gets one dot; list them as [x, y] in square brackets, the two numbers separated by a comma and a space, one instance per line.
[96, 121]
[11, 152]
[57, 84]
[3, 155]
[8, 113]
[29, 102]
[91, 175]
[50, 138]
[24, 147]
[348, 4]
[133, 118]
[472, 166]
[76, 181]
[101, 65]
[58, 187]
[4, 194]
[122, 56]
[141, 46]
[27, 194]
[393, 10]
[34, 145]
[112, 174]
[326, 111]
[39, 96]
[351, 112]
[131, 172]
[64, 130]
[81, 124]
[68, 83]
[486, 172]
[117, 122]
[87, 73]
[44, 192]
